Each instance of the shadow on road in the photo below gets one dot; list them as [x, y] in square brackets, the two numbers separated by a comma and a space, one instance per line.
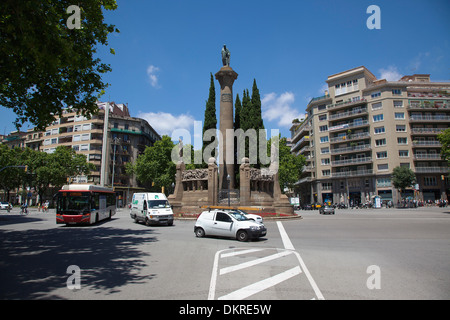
[34, 262]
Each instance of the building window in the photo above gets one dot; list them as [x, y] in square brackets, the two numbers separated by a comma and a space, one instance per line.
[398, 104]
[323, 128]
[399, 115]
[326, 173]
[322, 107]
[324, 139]
[383, 167]
[327, 185]
[383, 182]
[396, 91]
[325, 150]
[379, 130]
[323, 117]
[378, 117]
[430, 181]
[377, 106]
[376, 94]
[400, 128]
[382, 155]
[401, 140]
[403, 153]
[325, 161]
[380, 142]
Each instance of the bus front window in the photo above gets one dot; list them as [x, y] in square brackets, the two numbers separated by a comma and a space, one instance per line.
[73, 203]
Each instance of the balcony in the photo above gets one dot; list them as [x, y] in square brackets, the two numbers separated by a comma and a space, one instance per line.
[423, 143]
[346, 104]
[351, 161]
[427, 156]
[350, 125]
[428, 118]
[355, 112]
[302, 129]
[364, 147]
[305, 139]
[352, 173]
[350, 137]
[427, 130]
[432, 169]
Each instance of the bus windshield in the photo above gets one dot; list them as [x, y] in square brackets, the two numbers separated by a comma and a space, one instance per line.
[73, 202]
[155, 204]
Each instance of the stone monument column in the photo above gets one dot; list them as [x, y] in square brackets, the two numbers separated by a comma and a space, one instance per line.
[226, 77]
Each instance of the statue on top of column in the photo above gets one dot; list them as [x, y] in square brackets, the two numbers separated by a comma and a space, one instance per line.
[225, 56]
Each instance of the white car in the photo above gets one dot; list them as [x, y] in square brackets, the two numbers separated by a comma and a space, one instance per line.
[251, 216]
[5, 206]
[229, 224]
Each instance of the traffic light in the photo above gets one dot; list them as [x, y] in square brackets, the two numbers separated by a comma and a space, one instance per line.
[26, 169]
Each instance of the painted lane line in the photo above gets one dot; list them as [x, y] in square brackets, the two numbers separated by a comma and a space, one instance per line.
[235, 253]
[288, 245]
[254, 262]
[284, 237]
[261, 285]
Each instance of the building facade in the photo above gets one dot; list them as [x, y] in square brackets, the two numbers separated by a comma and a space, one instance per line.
[127, 138]
[362, 128]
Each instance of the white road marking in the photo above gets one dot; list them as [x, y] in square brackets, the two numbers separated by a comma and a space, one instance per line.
[284, 237]
[235, 253]
[261, 285]
[254, 262]
[288, 245]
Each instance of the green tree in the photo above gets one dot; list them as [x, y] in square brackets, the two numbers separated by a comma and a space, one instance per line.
[290, 166]
[44, 65]
[402, 178]
[210, 116]
[444, 139]
[257, 120]
[155, 167]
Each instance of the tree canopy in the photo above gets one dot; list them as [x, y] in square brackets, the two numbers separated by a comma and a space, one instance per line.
[155, 166]
[44, 65]
[402, 178]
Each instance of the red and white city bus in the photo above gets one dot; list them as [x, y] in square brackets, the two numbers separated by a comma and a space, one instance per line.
[84, 204]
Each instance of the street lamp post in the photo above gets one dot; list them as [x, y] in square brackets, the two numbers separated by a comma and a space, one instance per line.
[228, 180]
[116, 142]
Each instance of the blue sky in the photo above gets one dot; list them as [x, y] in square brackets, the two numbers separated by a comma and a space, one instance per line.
[167, 49]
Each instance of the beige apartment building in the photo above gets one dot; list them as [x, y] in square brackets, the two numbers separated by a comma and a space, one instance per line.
[362, 128]
[127, 137]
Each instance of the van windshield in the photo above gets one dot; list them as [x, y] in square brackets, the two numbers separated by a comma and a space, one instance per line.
[238, 216]
[154, 204]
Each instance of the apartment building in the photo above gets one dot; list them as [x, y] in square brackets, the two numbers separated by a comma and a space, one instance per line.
[127, 137]
[362, 128]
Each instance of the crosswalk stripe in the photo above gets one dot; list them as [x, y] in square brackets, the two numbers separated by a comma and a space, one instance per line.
[261, 285]
[254, 262]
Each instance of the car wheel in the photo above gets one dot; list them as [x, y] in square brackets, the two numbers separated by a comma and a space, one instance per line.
[242, 235]
[199, 233]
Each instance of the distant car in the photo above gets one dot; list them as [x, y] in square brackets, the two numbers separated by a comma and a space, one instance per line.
[5, 206]
[250, 216]
[326, 209]
[229, 224]
[307, 207]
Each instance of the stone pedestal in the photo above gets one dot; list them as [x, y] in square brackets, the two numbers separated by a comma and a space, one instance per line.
[226, 77]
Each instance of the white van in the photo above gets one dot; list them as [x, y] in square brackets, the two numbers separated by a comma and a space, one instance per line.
[151, 208]
[230, 224]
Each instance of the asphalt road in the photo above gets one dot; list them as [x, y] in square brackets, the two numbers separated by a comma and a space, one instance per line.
[354, 254]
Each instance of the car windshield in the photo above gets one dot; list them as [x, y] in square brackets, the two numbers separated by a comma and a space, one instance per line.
[154, 204]
[238, 216]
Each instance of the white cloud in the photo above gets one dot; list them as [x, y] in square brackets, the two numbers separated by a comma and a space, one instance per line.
[151, 73]
[279, 108]
[165, 123]
[390, 74]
